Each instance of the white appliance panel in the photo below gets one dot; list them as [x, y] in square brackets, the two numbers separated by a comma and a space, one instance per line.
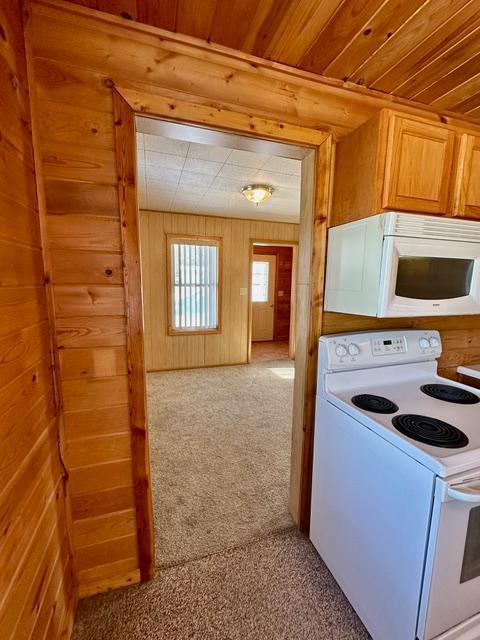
[354, 262]
[369, 521]
[363, 260]
[397, 521]
[452, 593]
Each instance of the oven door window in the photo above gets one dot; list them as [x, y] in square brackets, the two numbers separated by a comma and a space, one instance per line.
[431, 278]
[471, 554]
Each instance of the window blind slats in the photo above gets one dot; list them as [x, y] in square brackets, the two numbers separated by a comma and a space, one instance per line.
[195, 285]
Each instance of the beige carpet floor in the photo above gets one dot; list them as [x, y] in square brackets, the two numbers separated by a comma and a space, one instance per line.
[272, 589]
[220, 456]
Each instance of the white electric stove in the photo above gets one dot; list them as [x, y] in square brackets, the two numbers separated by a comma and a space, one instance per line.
[396, 485]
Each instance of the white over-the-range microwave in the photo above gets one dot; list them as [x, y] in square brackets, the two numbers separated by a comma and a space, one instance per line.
[404, 264]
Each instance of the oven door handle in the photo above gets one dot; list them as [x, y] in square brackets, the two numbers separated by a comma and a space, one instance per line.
[465, 492]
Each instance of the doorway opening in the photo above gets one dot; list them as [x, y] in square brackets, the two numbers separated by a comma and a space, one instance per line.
[220, 421]
[272, 301]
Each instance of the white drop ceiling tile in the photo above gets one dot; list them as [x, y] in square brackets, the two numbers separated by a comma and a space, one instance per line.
[184, 206]
[222, 194]
[140, 140]
[159, 203]
[278, 179]
[245, 174]
[190, 192]
[247, 159]
[206, 167]
[167, 160]
[162, 174]
[286, 195]
[161, 188]
[228, 185]
[208, 152]
[166, 145]
[283, 165]
[190, 178]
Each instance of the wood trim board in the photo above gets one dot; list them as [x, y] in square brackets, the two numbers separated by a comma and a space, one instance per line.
[301, 459]
[126, 165]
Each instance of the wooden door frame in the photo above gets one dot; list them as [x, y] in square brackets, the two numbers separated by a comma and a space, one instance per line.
[127, 104]
[269, 243]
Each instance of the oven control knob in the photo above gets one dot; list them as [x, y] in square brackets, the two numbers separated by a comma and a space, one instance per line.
[341, 350]
[424, 343]
[353, 349]
[434, 342]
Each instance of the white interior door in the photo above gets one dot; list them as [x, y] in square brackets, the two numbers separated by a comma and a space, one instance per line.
[263, 297]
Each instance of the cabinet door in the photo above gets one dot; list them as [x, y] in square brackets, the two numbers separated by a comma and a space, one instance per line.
[466, 197]
[418, 166]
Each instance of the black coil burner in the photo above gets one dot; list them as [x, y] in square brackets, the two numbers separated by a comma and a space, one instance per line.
[377, 404]
[449, 393]
[430, 431]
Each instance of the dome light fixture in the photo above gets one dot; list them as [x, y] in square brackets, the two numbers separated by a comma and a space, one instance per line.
[257, 193]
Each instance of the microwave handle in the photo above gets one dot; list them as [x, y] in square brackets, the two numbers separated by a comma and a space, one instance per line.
[465, 492]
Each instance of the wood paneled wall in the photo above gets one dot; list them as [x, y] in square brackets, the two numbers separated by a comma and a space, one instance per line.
[283, 284]
[76, 59]
[37, 586]
[84, 240]
[230, 346]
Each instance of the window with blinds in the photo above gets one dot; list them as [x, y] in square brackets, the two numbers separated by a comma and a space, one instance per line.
[194, 284]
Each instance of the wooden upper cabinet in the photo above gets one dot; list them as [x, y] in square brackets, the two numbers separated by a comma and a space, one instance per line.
[466, 193]
[418, 166]
[394, 162]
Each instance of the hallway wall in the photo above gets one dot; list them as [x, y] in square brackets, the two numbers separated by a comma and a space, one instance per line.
[37, 586]
[230, 346]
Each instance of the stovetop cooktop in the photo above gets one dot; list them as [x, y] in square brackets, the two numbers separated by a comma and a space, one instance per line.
[388, 382]
[407, 413]
[422, 428]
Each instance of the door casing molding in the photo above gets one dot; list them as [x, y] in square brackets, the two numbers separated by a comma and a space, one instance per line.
[316, 195]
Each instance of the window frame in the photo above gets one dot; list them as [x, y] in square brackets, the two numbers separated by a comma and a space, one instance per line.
[173, 238]
[252, 301]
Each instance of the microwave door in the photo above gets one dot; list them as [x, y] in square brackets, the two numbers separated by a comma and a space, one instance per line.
[429, 277]
[451, 592]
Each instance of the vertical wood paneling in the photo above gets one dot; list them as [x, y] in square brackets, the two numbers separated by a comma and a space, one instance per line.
[230, 346]
[36, 573]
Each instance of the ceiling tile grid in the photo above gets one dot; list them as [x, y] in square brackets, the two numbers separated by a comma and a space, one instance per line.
[189, 177]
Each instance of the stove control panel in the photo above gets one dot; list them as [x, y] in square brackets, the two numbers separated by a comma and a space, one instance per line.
[378, 348]
[388, 345]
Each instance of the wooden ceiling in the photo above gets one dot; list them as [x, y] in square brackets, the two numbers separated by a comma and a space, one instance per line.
[424, 50]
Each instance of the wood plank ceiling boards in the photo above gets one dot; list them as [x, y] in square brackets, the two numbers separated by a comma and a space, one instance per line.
[423, 50]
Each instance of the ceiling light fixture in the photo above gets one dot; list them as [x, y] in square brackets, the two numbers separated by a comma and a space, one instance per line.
[257, 193]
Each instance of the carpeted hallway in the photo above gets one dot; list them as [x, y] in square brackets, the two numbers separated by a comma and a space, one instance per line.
[231, 565]
[276, 588]
[220, 456]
